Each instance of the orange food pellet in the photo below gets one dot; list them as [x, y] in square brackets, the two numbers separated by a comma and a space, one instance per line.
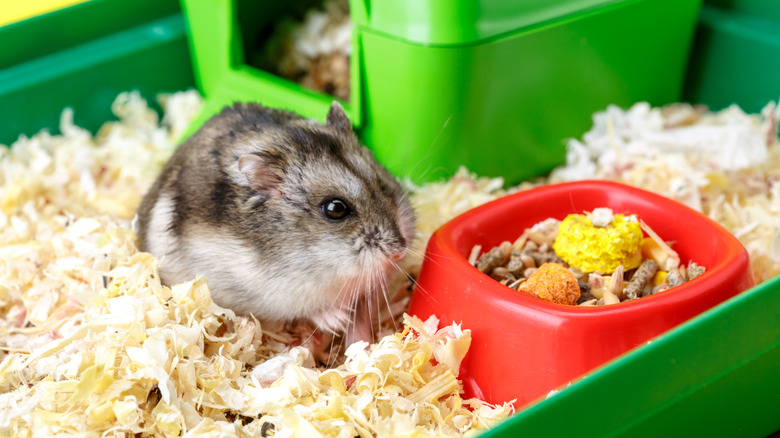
[554, 283]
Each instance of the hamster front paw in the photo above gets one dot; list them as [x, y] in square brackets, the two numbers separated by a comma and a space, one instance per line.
[354, 324]
[333, 320]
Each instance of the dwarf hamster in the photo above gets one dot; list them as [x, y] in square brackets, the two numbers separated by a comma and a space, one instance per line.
[286, 217]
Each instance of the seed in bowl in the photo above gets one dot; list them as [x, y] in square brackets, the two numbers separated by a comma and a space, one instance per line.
[605, 257]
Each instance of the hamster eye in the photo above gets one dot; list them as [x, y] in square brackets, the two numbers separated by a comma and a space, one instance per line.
[335, 209]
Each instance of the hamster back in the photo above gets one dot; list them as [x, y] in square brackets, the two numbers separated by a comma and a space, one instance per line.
[286, 217]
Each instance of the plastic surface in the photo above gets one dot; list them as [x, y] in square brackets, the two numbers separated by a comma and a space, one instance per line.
[18, 11]
[715, 375]
[499, 106]
[523, 347]
[447, 22]
[736, 57]
[82, 57]
[79, 24]
[768, 9]
[219, 49]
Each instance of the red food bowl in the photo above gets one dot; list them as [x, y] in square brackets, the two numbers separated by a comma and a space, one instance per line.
[523, 347]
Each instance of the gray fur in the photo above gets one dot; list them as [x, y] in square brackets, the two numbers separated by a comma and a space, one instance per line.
[254, 226]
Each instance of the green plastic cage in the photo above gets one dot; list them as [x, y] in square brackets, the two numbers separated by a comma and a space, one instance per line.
[494, 85]
[714, 375]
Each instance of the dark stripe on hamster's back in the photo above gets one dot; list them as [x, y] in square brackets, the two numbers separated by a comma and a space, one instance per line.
[179, 214]
[222, 192]
[215, 202]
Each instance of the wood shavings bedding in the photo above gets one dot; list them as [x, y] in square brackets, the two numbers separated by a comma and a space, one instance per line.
[315, 51]
[93, 345]
[725, 164]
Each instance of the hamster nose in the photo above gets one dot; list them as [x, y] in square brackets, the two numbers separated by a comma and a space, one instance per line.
[372, 236]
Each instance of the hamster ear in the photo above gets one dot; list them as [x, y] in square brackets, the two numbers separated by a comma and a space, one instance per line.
[337, 118]
[260, 173]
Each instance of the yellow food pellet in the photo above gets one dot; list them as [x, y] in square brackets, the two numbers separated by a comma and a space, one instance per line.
[651, 250]
[552, 282]
[589, 248]
[659, 277]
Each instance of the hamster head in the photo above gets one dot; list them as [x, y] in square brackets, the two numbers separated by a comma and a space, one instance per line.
[327, 220]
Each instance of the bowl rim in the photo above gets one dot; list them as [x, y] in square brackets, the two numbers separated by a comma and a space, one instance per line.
[447, 236]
